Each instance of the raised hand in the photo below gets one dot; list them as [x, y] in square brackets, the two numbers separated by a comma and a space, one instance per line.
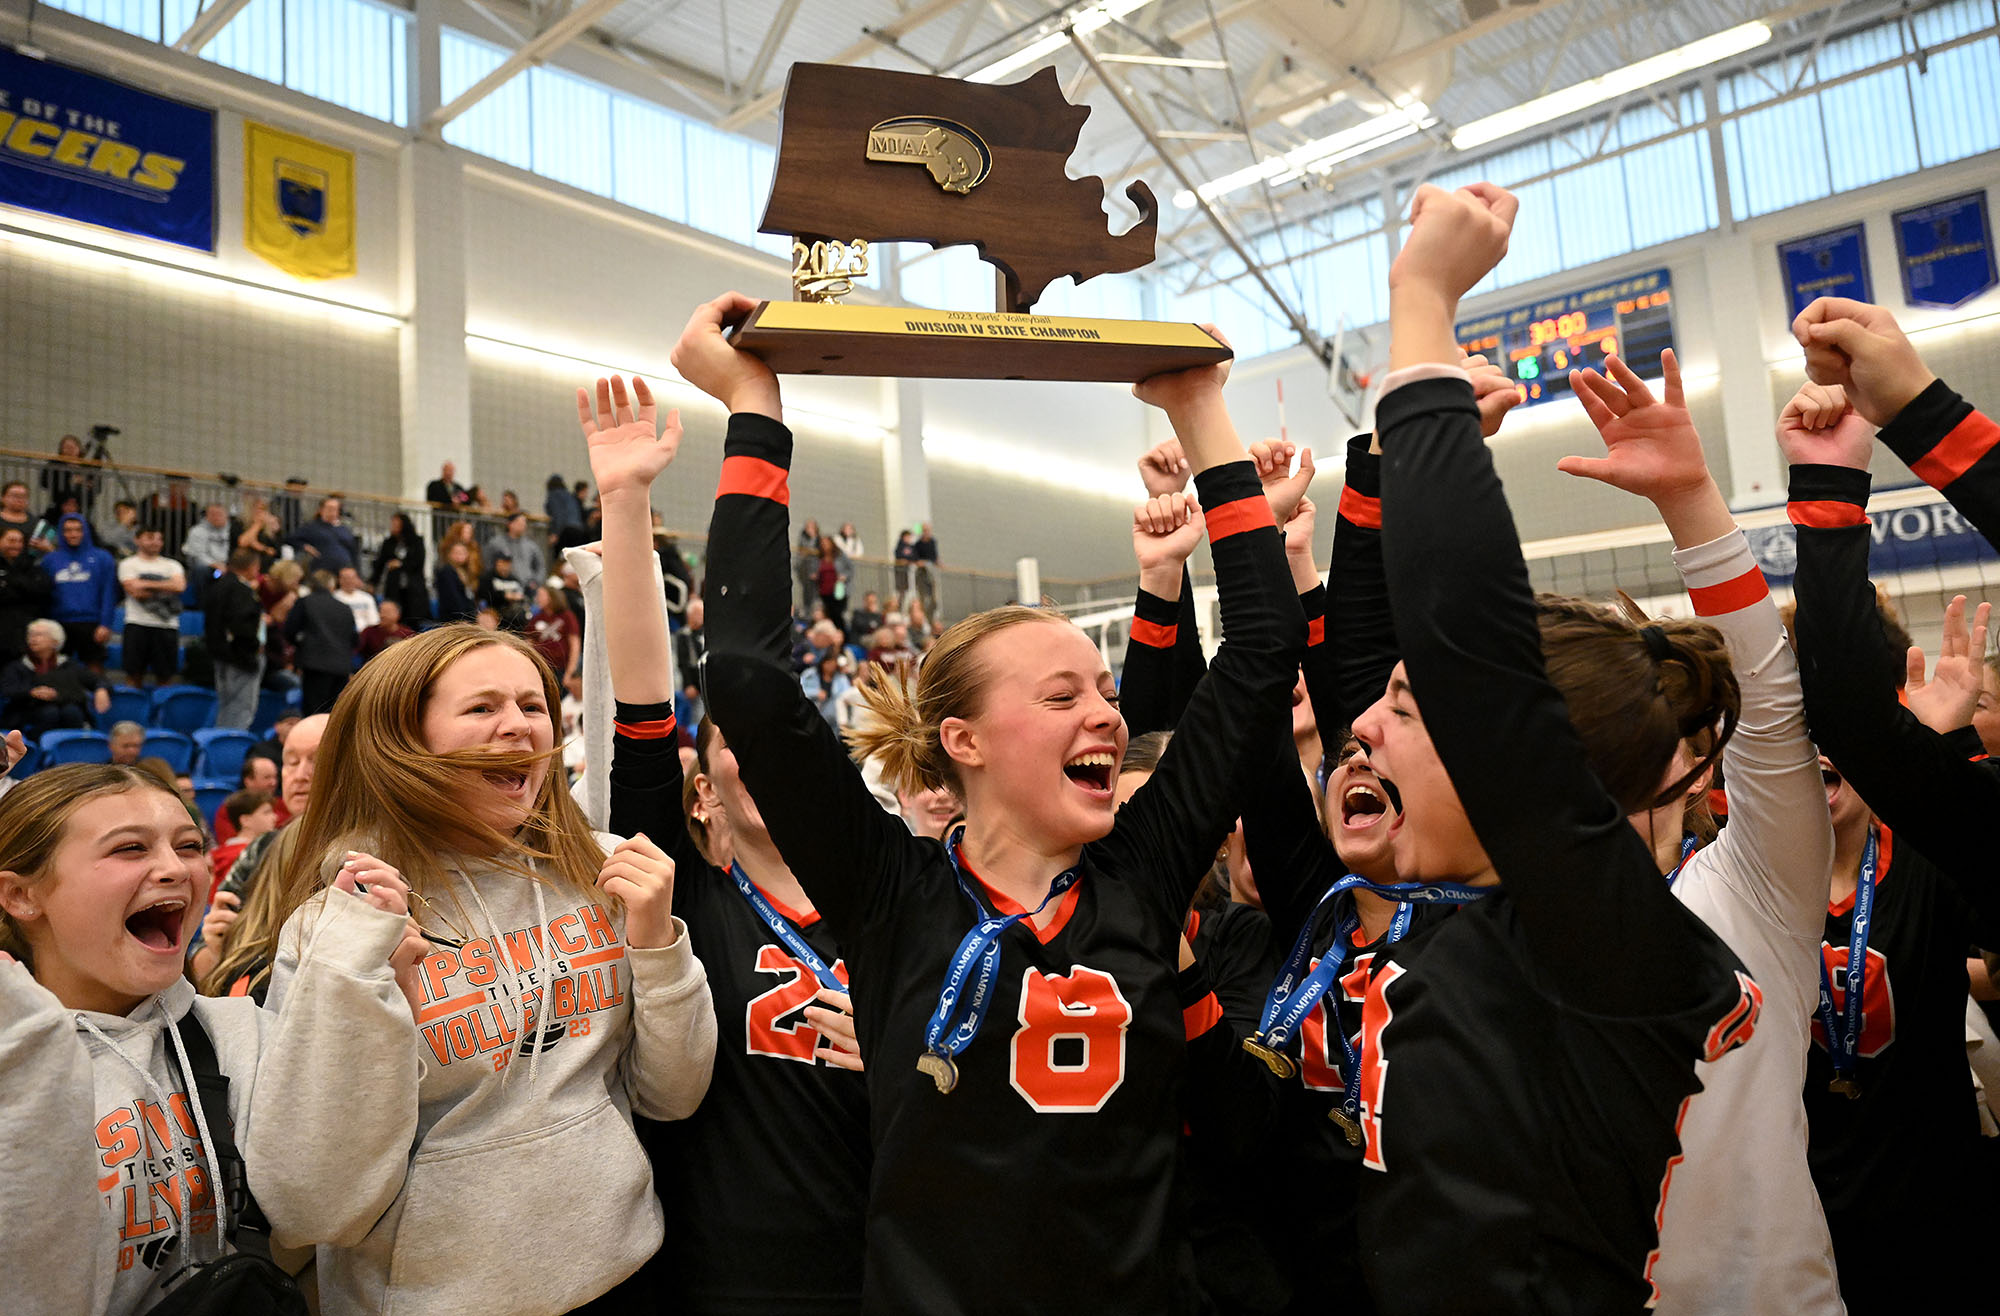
[374, 881]
[1650, 445]
[1493, 391]
[639, 874]
[222, 914]
[833, 1019]
[1164, 531]
[1164, 469]
[706, 359]
[16, 748]
[1946, 701]
[1861, 348]
[1818, 428]
[1178, 390]
[627, 449]
[1282, 489]
[1455, 239]
[1298, 530]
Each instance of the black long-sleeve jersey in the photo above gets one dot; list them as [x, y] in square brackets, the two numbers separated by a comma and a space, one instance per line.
[1951, 447]
[1163, 660]
[765, 1186]
[1526, 1059]
[1360, 622]
[1044, 1180]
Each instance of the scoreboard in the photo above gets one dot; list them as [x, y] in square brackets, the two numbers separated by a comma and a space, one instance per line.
[1540, 343]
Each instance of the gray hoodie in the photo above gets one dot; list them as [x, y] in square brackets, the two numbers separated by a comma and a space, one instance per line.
[506, 1127]
[107, 1158]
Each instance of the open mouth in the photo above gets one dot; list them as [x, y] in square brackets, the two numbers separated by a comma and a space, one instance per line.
[1093, 772]
[1361, 807]
[157, 927]
[513, 783]
[1832, 782]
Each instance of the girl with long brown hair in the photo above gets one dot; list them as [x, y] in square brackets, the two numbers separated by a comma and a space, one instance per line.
[111, 1153]
[558, 993]
[1015, 986]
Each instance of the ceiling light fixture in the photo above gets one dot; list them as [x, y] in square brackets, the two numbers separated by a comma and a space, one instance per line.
[1320, 154]
[1610, 86]
[1084, 21]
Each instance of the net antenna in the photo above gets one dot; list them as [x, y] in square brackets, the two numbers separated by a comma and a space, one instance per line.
[1354, 375]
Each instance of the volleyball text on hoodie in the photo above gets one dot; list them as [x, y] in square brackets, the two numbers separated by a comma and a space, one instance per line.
[538, 1037]
[112, 1177]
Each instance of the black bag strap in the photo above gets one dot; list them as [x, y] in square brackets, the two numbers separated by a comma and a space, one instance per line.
[211, 1089]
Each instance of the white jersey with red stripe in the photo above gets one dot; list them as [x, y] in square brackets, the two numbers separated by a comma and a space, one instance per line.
[1741, 1227]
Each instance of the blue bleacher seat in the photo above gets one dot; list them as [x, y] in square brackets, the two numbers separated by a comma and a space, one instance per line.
[184, 708]
[192, 622]
[208, 797]
[114, 656]
[75, 747]
[176, 747]
[29, 762]
[222, 753]
[128, 704]
[270, 707]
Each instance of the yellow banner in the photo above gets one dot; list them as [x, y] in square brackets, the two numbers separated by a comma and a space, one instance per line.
[298, 203]
[842, 318]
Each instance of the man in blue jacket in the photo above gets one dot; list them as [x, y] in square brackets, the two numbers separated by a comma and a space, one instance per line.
[324, 543]
[86, 591]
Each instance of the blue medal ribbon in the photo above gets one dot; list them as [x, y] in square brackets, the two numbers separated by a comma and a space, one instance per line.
[781, 928]
[961, 1009]
[1688, 844]
[1843, 1045]
[1296, 992]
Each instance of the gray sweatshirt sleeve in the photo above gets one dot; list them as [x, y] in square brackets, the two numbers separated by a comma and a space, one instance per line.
[53, 1246]
[1777, 849]
[335, 1114]
[673, 1030]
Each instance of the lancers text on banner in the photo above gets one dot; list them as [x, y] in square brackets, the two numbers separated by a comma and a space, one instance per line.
[90, 149]
[298, 203]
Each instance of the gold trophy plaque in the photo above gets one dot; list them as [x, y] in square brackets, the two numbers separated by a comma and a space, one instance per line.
[870, 155]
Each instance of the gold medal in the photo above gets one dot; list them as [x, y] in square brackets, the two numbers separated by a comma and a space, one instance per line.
[1276, 1061]
[1845, 1086]
[941, 1068]
[1349, 1126]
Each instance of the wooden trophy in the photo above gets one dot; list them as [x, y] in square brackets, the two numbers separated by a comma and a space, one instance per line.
[869, 155]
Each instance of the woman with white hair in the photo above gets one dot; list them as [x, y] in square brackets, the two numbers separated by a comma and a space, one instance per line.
[44, 690]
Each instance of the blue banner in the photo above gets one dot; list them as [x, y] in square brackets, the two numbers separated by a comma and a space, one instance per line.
[86, 148]
[1901, 539]
[1830, 264]
[1945, 251]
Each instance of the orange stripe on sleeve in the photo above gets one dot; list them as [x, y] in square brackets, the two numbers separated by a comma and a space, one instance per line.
[1153, 635]
[754, 476]
[1730, 595]
[1826, 514]
[1316, 631]
[1234, 518]
[660, 730]
[1958, 451]
[1359, 508]
[1202, 1016]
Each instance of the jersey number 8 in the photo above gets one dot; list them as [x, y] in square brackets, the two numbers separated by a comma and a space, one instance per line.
[1069, 1053]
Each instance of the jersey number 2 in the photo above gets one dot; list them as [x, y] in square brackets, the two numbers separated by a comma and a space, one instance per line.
[1069, 1053]
[764, 1035]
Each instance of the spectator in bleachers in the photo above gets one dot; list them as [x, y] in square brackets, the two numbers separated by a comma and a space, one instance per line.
[477, 502]
[805, 564]
[153, 586]
[277, 593]
[85, 578]
[691, 641]
[553, 629]
[503, 591]
[45, 691]
[233, 627]
[261, 533]
[446, 491]
[25, 591]
[461, 532]
[530, 563]
[833, 569]
[260, 773]
[924, 577]
[563, 508]
[271, 747]
[173, 510]
[399, 569]
[206, 549]
[289, 507]
[69, 476]
[121, 536]
[327, 544]
[906, 556]
[848, 540]
[824, 684]
[321, 628]
[865, 618]
[510, 503]
[357, 596]
[128, 742]
[14, 513]
[251, 813]
[456, 583]
[387, 629]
